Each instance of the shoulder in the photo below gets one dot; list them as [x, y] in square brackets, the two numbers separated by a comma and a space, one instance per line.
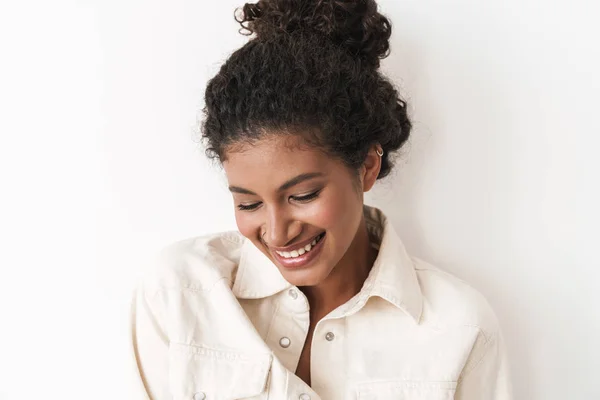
[195, 263]
[450, 301]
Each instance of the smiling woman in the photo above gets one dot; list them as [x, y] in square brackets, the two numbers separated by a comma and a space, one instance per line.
[309, 198]
[314, 296]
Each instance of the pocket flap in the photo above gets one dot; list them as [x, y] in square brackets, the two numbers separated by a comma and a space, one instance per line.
[219, 374]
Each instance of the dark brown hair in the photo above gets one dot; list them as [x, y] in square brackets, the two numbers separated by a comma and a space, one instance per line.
[312, 69]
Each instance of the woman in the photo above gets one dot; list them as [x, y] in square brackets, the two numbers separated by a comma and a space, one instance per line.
[315, 297]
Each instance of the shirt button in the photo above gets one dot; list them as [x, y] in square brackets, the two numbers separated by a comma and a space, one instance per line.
[330, 336]
[283, 342]
[304, 396]
[293, 294]
[199, 396]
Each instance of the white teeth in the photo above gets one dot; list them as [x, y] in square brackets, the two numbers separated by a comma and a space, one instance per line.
[300, 251]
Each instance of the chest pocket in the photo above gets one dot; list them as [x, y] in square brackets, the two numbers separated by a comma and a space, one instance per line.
[200, 373]
[406, 390]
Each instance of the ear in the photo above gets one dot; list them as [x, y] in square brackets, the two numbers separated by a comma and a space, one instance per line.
[371, 167]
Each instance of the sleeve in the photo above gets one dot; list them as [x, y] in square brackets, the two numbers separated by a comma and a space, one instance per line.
[150, 343]
[486, 373]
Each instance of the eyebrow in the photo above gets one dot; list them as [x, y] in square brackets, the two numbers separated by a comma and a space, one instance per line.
[292, 182]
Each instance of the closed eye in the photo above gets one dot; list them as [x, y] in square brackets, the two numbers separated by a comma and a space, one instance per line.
[307, 198]
[248, 207]
[301, 199]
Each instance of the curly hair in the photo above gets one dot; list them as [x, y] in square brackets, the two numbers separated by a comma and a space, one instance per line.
[311, 70]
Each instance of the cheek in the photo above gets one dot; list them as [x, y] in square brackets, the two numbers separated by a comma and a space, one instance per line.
[328, 217]
[246, 225]
[335, 211]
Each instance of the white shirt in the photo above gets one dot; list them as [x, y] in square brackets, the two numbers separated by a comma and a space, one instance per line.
[215, 320]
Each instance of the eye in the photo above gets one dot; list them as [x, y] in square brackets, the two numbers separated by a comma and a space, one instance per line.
[307, 198]
[248, 207]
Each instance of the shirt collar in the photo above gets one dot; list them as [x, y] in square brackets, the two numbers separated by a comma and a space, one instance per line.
[392, 277]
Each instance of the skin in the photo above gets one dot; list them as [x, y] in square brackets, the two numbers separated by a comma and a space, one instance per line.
[256, 174]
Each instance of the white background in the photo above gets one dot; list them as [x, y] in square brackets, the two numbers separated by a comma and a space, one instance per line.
[100, 167]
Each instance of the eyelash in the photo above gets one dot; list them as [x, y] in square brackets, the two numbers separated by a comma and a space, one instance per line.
[302, 199]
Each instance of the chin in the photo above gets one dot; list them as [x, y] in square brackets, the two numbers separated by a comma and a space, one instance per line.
[306, 277]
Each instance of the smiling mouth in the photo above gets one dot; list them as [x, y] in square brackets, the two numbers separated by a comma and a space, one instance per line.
[302, 256]
[301, 250]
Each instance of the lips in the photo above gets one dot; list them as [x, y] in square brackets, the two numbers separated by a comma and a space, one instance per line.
[301, 255]
[300, 250]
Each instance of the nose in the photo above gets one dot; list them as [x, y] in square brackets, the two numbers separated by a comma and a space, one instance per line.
[280, 229]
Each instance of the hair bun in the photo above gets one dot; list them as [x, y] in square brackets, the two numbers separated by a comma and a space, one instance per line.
[353, 24]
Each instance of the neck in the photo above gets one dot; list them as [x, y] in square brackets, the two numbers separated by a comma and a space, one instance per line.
[346, 279]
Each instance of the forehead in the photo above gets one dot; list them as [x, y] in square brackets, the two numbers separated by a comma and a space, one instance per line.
[273, 160]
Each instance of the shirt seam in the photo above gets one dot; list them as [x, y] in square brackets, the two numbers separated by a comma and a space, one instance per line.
[277, 305]
[486, 336]
[487, 345]
[232, 237]
[187, 286]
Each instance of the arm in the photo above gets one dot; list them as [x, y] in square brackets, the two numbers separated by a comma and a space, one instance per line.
[486, 375]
